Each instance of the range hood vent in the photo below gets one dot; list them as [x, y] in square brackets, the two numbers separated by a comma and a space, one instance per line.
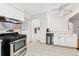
[9, 20]
[2, 19]
[9, 23]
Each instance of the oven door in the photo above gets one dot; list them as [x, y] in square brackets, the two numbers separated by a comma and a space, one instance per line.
[18, 46]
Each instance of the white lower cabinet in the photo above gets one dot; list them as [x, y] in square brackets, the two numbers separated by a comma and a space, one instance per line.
[56, 39]
[59, 40]
[65, 40]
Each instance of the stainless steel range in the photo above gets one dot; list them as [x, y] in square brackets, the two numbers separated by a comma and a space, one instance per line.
[18, 47]
[13, 44]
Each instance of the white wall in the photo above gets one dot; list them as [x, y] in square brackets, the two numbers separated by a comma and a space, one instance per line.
[57, 23]
[35, 23]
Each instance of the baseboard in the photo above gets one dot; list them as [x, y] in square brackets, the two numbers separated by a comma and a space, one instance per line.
[65, 46]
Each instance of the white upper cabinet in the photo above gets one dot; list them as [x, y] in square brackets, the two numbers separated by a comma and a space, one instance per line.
[10, 11]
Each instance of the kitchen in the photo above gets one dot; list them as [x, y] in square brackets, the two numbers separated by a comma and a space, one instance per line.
[49, 26]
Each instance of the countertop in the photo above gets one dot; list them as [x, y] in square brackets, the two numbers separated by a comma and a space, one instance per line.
[49, 32]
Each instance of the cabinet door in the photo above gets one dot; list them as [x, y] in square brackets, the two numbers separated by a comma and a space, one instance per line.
[56, 39]
[6, 10]
[62, 39]
[72, 41]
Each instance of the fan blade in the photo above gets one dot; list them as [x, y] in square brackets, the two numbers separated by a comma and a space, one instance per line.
[63, 6]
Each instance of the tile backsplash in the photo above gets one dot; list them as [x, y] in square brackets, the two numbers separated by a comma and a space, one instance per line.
[4, 29]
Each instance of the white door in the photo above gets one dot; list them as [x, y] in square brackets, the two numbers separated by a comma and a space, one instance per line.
[35, 30]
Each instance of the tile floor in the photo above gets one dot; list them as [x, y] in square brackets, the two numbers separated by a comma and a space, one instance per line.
[37, 49]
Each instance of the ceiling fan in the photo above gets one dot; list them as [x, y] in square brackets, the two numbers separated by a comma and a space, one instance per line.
[61, 11]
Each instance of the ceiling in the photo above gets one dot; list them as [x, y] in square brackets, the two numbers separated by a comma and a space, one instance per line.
[36, 8]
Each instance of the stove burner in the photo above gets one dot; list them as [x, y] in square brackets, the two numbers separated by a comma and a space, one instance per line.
[12, 37]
